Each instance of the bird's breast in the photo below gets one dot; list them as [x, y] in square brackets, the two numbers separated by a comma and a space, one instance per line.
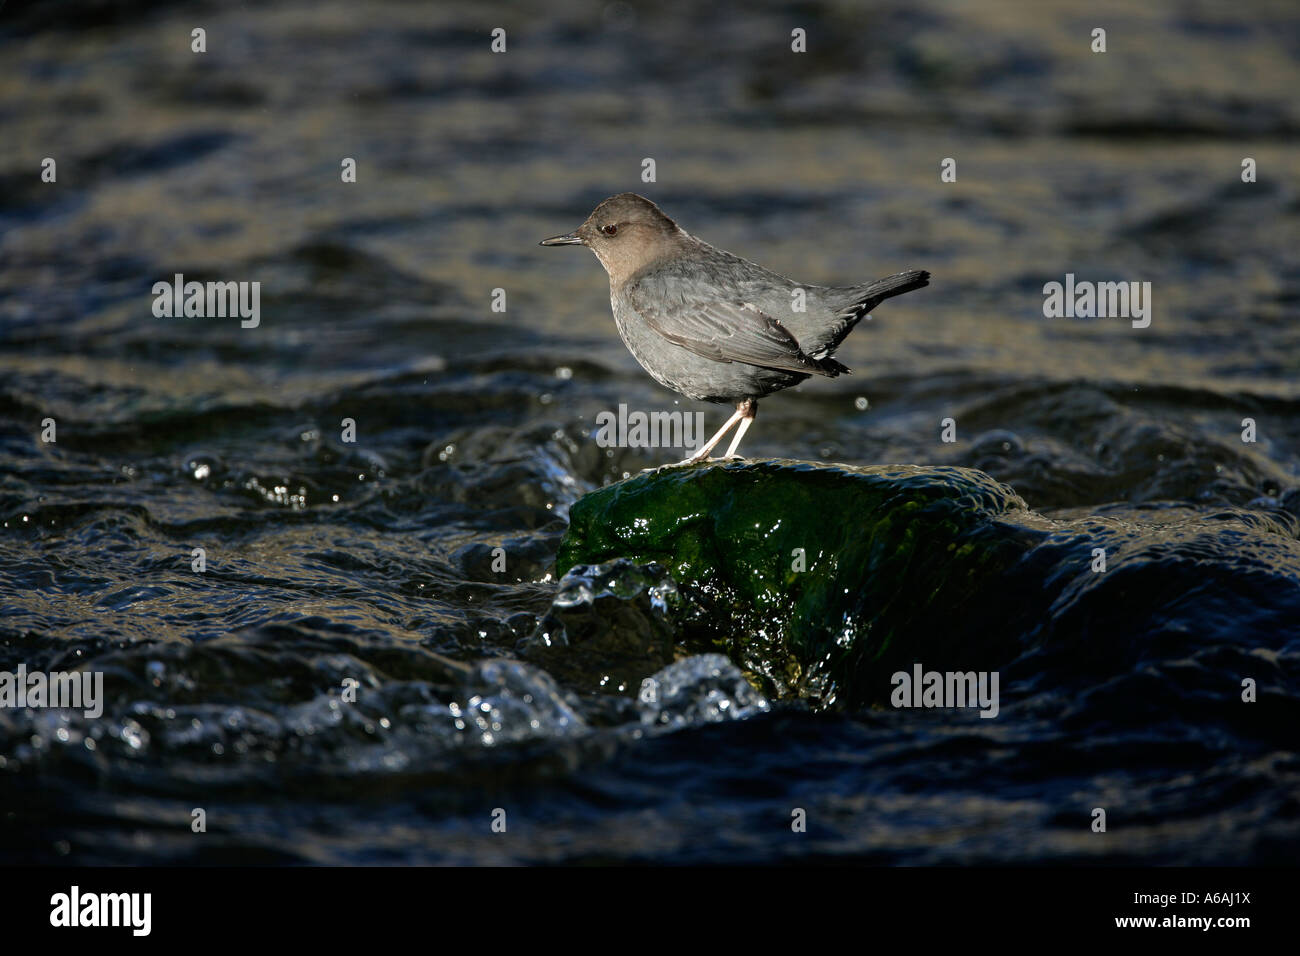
[640, 339]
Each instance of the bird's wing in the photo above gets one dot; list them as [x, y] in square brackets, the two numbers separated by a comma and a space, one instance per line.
[724, 331]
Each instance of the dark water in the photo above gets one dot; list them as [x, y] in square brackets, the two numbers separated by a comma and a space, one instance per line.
[372, 561]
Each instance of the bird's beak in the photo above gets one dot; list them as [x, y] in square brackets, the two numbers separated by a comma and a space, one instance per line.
[572, 239]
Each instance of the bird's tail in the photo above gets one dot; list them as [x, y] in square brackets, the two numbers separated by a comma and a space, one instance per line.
[864, 298]
[856, 302]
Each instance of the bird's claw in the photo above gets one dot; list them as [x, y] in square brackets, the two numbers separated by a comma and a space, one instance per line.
[689, 461]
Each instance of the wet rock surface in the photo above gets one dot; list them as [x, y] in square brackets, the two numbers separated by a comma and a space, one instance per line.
[827, 579]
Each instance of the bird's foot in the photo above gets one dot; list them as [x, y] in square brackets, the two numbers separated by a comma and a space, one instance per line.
[694, 460]
[671, 464]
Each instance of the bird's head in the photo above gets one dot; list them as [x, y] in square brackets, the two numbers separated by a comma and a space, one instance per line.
[627, 232]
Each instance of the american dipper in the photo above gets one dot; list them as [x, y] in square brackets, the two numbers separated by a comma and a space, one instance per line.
[712, 326]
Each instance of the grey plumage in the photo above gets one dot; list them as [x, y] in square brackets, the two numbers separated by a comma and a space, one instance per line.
[711, 325]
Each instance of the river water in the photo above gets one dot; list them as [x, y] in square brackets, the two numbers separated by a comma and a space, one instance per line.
[369, 564]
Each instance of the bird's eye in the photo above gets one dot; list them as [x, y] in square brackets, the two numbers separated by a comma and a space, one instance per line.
[609, 230]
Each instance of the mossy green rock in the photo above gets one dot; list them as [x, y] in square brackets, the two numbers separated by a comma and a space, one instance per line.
[822, 581]
[808, 573]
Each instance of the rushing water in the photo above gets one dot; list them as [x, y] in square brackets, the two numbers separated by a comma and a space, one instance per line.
[371, 564]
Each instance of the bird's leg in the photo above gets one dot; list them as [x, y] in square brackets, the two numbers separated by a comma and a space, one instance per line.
[708, 447]
[748, 410]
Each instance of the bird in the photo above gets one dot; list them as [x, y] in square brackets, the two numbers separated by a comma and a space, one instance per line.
[712, 326]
